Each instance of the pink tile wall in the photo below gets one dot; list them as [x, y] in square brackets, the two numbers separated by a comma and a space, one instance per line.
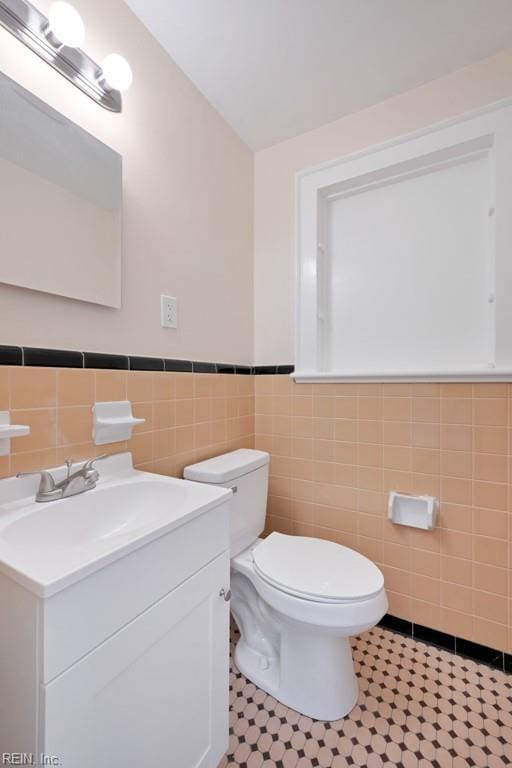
[338, 449]
[188, 416]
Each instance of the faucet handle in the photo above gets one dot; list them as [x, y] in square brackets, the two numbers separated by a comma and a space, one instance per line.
[90, 462]
[47, 483]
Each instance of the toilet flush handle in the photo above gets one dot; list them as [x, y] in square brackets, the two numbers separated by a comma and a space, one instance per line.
[225, 594]
[233, 488]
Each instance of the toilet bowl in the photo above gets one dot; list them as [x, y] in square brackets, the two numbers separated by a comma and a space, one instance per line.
[296, 600]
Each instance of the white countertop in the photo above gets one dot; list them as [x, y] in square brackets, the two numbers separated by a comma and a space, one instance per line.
[47, 546]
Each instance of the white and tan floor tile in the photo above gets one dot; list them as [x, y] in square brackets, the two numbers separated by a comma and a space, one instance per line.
[419, 707]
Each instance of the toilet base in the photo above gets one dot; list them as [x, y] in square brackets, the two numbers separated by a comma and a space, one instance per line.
[313, 674]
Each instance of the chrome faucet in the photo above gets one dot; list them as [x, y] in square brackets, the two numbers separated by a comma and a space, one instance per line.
[83, 479]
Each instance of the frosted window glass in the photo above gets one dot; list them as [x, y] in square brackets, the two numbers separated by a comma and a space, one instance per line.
[408, 282]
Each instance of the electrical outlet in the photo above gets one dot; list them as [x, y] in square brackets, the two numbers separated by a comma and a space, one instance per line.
[169, 311]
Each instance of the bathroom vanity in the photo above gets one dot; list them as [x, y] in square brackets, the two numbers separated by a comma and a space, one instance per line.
[114, 622]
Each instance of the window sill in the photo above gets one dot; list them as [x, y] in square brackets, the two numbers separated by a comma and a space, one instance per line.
[334, 377]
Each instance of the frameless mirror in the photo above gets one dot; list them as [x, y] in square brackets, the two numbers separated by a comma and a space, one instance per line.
[60, 203]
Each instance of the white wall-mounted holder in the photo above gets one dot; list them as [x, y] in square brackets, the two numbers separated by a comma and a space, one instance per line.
[414, 511]
[113, 422]
[8, 430]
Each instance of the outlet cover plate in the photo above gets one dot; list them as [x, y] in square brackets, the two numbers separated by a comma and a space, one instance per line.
[169, 311]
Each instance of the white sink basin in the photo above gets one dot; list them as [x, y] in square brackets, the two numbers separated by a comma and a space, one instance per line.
[47, 546]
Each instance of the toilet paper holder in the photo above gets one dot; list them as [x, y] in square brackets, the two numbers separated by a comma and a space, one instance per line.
[414, 511]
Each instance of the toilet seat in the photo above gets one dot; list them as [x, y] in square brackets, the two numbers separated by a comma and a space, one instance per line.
[316, 570]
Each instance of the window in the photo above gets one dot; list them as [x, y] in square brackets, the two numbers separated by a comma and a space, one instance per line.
[405, 258]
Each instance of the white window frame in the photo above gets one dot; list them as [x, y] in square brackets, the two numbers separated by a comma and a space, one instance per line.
[487, 131]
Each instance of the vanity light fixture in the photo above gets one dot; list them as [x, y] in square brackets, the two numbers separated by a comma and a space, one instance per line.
[66, 24]
[57, 38]
[117, 72]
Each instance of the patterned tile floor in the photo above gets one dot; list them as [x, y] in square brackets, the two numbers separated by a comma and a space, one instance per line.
[419, 707]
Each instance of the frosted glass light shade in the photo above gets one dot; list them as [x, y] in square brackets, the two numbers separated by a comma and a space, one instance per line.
[117, 72]
[66, 24]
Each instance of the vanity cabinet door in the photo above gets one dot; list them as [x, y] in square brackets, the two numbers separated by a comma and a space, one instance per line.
[155, 693]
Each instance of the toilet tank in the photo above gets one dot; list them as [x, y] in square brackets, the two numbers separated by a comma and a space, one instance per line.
[246, 472]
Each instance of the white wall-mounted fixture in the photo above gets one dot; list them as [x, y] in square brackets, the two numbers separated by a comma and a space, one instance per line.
[56, 39]
[168, 311]
[113, 422]
[8, 430]
[404, 269]
[415, 511]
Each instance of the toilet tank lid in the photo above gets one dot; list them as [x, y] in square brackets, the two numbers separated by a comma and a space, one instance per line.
[228, 466]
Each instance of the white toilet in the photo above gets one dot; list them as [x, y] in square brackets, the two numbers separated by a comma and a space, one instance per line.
[296, 599]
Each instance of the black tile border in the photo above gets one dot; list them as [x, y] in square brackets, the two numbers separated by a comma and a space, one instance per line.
[146, 363]
[457, 645]
[65, 358]
[11, 356]
[101, 360]
[225, 368]
[178, 366]
[58, 358]
[204, 367]
[435, 637]
[480, 653]
[396, 625]
[264, 370]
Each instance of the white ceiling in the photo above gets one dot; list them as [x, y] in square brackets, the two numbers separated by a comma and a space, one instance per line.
[276, 68]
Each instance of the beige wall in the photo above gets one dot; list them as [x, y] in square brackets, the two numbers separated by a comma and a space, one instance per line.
[188, 202]
[188, 185]
[275, 170]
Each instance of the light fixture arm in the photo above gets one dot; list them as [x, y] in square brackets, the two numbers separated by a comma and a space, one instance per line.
[29, 25]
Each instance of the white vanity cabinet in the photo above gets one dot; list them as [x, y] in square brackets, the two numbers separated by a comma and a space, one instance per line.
[128, 666]
[154, 694]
